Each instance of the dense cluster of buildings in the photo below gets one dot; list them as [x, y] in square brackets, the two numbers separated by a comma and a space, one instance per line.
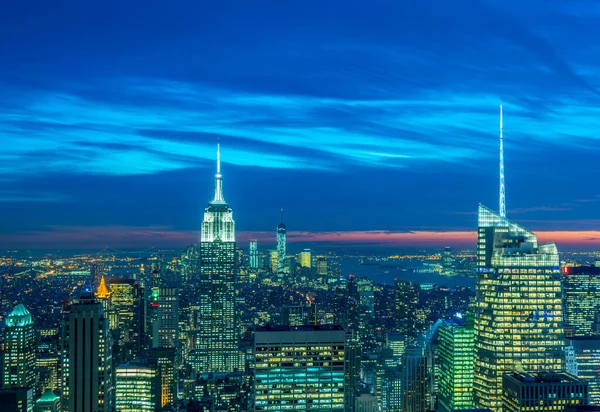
[208, 339]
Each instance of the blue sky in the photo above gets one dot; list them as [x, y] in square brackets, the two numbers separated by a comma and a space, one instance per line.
[352, 115]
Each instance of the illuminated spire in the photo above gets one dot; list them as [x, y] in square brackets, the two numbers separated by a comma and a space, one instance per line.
[281, 215]
[102, 292]
[218, 199]
[502, 188]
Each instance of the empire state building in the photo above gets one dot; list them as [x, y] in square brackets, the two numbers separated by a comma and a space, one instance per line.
[216, 339]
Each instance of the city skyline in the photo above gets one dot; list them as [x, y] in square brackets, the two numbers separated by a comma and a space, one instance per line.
[385, 135]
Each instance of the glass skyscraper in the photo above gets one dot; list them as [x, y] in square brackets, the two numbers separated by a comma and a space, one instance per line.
[455, 362]
[519, 315]
[581, 286]
[253, 254]
[136, 388]
[216, 339]
[281, 246]
[18, 366]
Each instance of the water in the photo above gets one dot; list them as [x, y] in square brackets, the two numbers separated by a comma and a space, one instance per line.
[386, 275]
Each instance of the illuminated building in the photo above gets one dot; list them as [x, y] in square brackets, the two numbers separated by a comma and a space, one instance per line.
[352, 305]
[127, 308]
[281, 239]
[17, 399]
[253, 254]
[164, 317]
[87, 358]
[407, 297]
[414, 380]
[447, 261]
[366, 312]
[397, 343]
[542, 391]
[217, 335]
[304, 258]
[19, 349]
[455, 360]
[49, 402]
[366, 402]
[518, 319]
[299, 367]
[581, 288]
[163, 360]
[102, 292]
[587, 359]
[136, 388]
[273, 260]
[321, 266]
[353, 354]
[299, 315]
[222, 392]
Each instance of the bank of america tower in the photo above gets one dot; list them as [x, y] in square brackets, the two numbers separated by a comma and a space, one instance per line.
[217, 339]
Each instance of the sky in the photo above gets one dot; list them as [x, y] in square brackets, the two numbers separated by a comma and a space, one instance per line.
[372, 123]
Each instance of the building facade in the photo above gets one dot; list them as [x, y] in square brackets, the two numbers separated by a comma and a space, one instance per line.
[253, 254]
[586, 353]
[581, 288]
[136, 388]
[281, 246]
[19, 350]
[217, 339]
[299, 368]
[519, 313]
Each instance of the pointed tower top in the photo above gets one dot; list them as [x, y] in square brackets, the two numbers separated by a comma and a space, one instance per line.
[218, 199]
[219, 156]
[102, 292]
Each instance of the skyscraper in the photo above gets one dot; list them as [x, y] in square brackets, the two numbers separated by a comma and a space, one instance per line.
[407, 297]
[281, 239]
[165, 317]
[163, 360]
[87, 358]
[586, 351]
[455, 361]
[137, 388]
[299, 368]
[305, 259]
[127, 306]
[581, 287]
[253, 254]
[217, 340]
[273, 260]
[18, 367]
[414, 380]
[518, 319]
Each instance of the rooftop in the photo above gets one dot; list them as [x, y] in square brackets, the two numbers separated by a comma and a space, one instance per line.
[20, 316]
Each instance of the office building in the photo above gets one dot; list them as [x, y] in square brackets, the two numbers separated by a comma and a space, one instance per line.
[586, 353]
[581, 288]
[273, 261]
[164, 317]
[49, 402]
[281, 246]
[455, 353]
[366, 402]
[19, 350]
[414, 380]
[87, 358]
[217, 334]
[222, 391]
[447, 261]
[128, 313]
[321, 266]
[519, 315]
[407, 298]
[304, 258]
[163, 360]
[542, 391]
[299, 367]
[253, 254]
[136, 388]
[16, 400]
[353, 354]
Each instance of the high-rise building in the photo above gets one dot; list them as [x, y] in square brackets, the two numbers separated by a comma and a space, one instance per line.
[128, 313]
[414, 380]
[407, 298]
[352, 305]
[273, 260]
[253, 254]
[217, 336]
[281, 246]
[19, 349]
[455, 362]
[586, 351]
[136, 388]
[321, 266]
[17, 399]
[165, 317]
[163, 360]
[518, 319]
[304, 258]
[447, 261]
[542, 391]
[581, 288]
[299, 315]
[353, 354]
[87, 358]
[299, 367]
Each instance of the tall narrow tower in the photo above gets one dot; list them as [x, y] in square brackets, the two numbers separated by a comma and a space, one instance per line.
[217, 341]
[502, 188]
[19, 349]
[281, 239]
